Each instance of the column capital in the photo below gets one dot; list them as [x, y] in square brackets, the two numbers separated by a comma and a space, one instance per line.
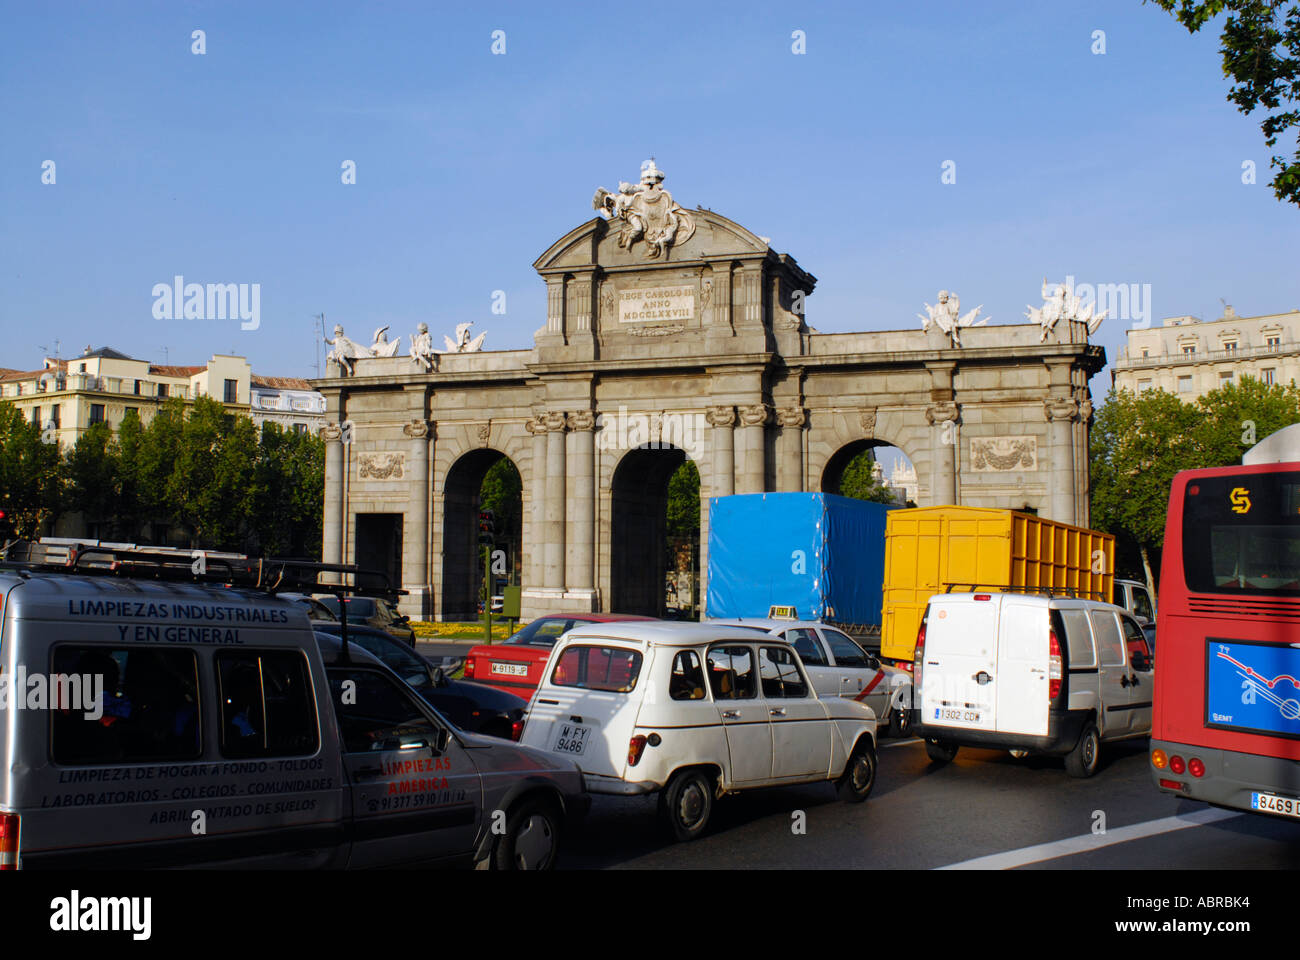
[331, 433]
[791, 416]
[942, 412]
[1060, 408]
[720, 416]
[534, 425]
[553, 421]
[581, 420]
[417, 429]
[754, 414]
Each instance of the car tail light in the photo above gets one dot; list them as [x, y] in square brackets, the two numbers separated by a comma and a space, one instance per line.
[9, 841]
[1159, 760]
[1176, 764]
[635, 747]
[469, 667]
[918, 656]
[1195, 767]
[1053, 665]
[1173, 785]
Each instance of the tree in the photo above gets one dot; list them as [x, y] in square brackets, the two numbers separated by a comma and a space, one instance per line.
[1237, 416]
[93, 471]
[1138, 443]
[131, 496]
[1260, 43]
[859, 481]
[211, 488]
[31, 480]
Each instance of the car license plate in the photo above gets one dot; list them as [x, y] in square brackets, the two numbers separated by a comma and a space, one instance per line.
[1272, 803]
[510, 669]
[572, 739]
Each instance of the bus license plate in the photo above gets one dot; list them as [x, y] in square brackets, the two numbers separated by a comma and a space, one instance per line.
[572, 739]
[1272, 803]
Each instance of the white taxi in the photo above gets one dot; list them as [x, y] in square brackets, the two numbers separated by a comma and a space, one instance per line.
[695, 711]
[841, 667]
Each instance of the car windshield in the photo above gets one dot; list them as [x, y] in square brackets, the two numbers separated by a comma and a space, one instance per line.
[543, 632]
[359, 608]
[395, 656]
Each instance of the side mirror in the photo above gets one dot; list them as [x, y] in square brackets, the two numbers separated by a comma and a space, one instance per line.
[872, 662]
[438, 677]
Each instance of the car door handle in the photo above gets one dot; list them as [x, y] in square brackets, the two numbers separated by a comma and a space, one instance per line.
[777, 712]
[730, 715]
[982, 677]
[552, 703]
[1123, 681]
[367, 773]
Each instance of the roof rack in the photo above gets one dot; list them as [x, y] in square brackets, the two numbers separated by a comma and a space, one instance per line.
[1016, 588]
[142, 562]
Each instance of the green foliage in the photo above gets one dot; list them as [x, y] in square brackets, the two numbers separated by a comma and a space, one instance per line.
[289, 492]
[1260, 44]
[858, 481]
[502, 493]
[93, 473]
[684, 502]
[30, 478]
[1239, 415]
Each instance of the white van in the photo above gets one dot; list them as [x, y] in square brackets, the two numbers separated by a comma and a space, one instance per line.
[1031, 673]
[695, 711]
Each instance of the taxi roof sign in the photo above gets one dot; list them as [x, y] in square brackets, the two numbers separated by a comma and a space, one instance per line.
[782, 613]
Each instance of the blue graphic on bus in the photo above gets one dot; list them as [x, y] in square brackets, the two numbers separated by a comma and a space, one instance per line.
[1253, 686]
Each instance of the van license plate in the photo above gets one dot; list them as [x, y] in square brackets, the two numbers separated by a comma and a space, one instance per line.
[956, 715]
[510, 669]
[572, 739]
[1272, 803]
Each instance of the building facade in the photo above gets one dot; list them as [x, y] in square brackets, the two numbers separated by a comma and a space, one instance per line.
[1190, 357]
[289, 401]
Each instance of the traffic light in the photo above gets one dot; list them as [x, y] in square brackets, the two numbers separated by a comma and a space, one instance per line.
[487, 530]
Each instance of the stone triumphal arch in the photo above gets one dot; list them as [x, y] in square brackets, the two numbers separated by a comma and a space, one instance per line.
[676, 334]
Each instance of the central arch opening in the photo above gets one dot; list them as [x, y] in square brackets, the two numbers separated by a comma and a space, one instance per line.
[655, 533]
[481, 480]
[871, 470]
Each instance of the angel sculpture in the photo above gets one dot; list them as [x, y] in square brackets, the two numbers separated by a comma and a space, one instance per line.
[345, 350]
[422, 347]
[463, 343]
[1061, 303]
[381, 347]
[946, 314]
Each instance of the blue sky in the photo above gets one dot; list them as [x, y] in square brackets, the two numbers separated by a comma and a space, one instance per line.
[225, 167]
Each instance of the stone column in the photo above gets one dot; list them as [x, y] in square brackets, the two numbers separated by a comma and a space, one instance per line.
[332, 518]
[580, 542]
[753, 419]
[789, 463]
[416, 535]
[723, 420]
[535, 537]
[1061, 413]
[553, 514]
[943, 452]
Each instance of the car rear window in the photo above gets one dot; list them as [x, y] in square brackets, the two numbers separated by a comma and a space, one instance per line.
[543, 632]
[148, 708]
[1078, 639]
[612, 669]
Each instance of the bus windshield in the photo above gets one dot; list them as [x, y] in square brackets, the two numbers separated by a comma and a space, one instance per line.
[1241, 534]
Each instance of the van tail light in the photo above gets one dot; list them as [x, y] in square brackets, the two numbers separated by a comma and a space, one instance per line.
[1053, 665]
[635, 747]
[918, 656]
[469, 667]
[517, 730]
[9, 841]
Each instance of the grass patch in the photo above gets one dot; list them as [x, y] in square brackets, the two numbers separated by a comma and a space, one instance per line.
[431, 630]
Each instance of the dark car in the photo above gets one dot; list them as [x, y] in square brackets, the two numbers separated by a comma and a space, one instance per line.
[470, 706]
[315, 609]
[373, 612]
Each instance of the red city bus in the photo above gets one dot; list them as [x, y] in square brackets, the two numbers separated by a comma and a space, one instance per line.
[1226, 721]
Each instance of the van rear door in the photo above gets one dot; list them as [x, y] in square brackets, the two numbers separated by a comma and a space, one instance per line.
[959, 686]
[585, 708]
[1023, 652]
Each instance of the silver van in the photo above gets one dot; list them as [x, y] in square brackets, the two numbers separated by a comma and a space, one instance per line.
[153, 722]
[1031, 673]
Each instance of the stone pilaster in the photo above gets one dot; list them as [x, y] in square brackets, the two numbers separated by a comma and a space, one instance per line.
[554, 513]
[789, 462]
[942, 418]
[418, 601]
[1061, 413]
[534, 536]
[753, 431]
[332, 518]
[723, 422]
[580, 540]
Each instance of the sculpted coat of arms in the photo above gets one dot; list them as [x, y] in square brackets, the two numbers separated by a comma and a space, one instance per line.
[647, 212]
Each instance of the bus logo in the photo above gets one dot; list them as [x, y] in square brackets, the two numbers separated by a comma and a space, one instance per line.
[1240, 498]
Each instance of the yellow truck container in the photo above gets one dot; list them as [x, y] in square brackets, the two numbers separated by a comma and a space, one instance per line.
[929, 548]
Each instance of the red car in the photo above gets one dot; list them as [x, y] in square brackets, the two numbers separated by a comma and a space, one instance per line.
[516, 665]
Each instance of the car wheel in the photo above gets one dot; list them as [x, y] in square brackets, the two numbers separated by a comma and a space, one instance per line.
[900, 722]
[1082, 761]
[940, 751]
[686, 804]
[859, 776]
[531, 840]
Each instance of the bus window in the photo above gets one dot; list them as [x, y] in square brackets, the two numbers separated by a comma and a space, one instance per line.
[1241, 534]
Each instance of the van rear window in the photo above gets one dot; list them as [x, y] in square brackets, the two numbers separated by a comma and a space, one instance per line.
[613, 669]
[147, 707]
[267, 708]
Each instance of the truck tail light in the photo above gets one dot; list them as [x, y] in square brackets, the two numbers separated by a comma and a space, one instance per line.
[1053, 665]
[635, 747]
[9, 841]
[918, 656]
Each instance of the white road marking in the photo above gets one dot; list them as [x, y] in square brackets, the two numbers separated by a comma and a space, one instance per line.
[1089, 841]
[902, 743]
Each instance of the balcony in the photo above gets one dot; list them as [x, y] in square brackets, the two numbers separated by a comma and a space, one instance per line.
[1209, 356]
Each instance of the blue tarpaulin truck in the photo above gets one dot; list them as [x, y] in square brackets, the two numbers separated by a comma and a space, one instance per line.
[822, 554]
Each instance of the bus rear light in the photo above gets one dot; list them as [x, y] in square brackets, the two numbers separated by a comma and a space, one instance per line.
[1176, 764]
[1053, 665]
[1159, 760]
[1173, 785]
[1196, 768]
[9, 841]
[635, 747]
